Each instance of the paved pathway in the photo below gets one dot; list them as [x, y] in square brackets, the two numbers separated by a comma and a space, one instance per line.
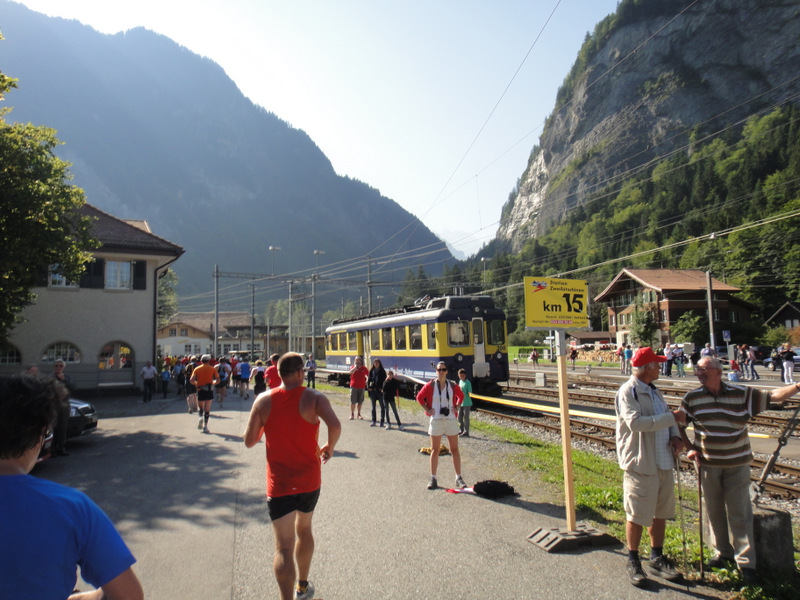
[192, 508]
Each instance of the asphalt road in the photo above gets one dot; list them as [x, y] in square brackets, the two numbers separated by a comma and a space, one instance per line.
[192, 509]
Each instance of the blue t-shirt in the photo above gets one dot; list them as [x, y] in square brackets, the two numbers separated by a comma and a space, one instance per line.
[244, 370]
[46, 530]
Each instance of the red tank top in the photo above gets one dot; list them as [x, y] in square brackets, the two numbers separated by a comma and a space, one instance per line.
[293, 463]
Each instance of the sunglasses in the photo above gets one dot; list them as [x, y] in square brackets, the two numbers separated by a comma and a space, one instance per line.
[441, 369]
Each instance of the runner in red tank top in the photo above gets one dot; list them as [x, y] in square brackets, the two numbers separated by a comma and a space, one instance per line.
[289, 418]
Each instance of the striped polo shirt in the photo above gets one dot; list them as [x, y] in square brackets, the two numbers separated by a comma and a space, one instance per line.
[720, 422]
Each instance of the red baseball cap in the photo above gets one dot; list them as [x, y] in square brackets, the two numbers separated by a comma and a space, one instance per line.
[645, 355]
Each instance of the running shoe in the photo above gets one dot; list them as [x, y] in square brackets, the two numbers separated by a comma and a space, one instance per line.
[308, 594]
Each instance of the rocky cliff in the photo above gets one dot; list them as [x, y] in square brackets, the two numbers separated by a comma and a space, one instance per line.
[653, 77]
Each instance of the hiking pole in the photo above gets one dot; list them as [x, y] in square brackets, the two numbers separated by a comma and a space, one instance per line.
[680, 511]
[700, 519]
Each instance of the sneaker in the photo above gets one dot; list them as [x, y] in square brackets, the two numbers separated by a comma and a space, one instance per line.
[433, 484]
[720, 562]
[635, 572]
[460, 482]
[307, 595]
[401, 428]
[388, 426]
[205, 429]
[662, 567]
[200, 422]
[372, 424]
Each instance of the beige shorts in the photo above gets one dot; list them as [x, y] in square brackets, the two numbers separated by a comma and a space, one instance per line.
[444, 427]
[649, 497]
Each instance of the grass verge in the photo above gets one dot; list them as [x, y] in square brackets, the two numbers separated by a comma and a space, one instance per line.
[598, 499]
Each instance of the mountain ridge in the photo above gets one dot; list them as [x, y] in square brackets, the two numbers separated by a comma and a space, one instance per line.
[156, 132]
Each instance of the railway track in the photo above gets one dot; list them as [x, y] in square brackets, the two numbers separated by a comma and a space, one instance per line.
[604, 435]
[593, 397]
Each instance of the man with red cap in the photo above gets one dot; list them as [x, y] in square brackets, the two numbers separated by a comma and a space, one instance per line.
[647, 442]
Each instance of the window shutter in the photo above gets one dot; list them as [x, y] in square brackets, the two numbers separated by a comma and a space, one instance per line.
[140, 275]
[93, 276]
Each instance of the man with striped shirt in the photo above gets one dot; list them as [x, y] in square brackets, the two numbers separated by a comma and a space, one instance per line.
[720, 412]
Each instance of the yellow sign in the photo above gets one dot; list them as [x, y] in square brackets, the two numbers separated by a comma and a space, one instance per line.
[552, 303]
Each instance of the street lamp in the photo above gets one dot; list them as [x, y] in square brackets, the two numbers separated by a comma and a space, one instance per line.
[484, 260]
[317, 254]
[272, 250]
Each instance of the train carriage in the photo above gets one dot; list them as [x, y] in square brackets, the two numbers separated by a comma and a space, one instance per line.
[466, 332]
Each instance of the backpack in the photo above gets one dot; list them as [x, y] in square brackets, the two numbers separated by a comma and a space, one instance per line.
[491, 488]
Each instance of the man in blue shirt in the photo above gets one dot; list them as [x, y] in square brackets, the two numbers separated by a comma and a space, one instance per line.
[48, 529]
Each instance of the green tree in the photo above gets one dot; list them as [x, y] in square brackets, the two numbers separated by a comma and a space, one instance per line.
[690, 327]
[644, 324]
[167, 297]
[41, 227]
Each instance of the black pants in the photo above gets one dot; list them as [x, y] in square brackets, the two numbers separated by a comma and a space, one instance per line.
[149, 389]
[311, 380]
[375, 396]
[389, 403]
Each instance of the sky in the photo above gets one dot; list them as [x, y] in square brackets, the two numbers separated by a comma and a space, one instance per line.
[435, 103]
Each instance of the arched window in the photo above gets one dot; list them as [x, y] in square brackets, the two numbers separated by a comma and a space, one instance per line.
[64, 351]
[9, 355]
[115, 355]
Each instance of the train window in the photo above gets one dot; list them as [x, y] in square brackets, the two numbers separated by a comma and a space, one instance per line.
[477, 331]
[415, 333]
[386, 334]
[495, 335]
[352, 341]
[458, 333]
[342, 341]
[375, 339]
[400, 337]
[333, 342]
[431, 336]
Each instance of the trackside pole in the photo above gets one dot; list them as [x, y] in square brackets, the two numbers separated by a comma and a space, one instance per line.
[556, 540]
[566, 434]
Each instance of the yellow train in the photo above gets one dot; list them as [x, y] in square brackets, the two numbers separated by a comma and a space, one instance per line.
[466, 332]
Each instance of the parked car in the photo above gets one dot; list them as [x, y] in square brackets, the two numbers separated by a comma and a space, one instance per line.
[773, 362]
[47, 447]
[82, 418]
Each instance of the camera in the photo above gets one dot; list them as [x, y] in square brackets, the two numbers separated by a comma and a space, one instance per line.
[444, 411]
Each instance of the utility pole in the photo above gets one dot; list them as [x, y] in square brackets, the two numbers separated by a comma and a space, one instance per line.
[369, 286]
[710, 311]
[216, 310]
[252, 317]
[289, 342]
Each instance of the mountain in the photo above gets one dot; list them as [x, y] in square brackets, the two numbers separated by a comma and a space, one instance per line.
[653, 78]
[156, 132]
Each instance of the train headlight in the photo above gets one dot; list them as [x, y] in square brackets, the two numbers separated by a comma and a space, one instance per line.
[499, 355]
[459, 357]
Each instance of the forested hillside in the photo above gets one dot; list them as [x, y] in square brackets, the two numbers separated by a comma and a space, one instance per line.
[725, 187]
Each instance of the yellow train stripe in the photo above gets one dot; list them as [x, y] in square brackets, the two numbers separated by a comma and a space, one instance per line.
[574, 413]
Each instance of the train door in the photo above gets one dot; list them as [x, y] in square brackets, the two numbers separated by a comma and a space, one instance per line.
[480, 367]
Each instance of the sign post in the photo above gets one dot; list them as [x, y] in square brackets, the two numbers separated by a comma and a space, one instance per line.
[558, 304]
[566, 434]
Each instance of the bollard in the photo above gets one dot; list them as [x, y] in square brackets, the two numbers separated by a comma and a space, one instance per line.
[773, 535]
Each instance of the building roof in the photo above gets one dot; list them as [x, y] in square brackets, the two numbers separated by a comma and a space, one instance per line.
[787, 306]
[590, 335]
[120, 235]
[230, 322]
[204, 321]
[664, 280]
